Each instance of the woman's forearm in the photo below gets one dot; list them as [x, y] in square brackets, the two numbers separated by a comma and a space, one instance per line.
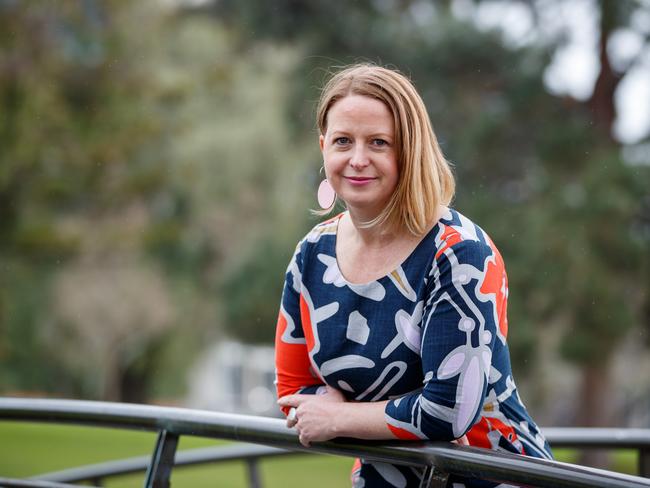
[362, 420]
[323, 417]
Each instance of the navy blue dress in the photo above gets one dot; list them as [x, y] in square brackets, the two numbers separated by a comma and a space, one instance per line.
[430, 337]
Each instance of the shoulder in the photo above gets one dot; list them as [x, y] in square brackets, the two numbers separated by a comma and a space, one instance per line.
[320, 236]
[460, 237]
[322, 229]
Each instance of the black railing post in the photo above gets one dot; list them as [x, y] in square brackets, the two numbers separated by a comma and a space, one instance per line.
[254, 478]
[644, 462]
[432, 478]
[162, 461]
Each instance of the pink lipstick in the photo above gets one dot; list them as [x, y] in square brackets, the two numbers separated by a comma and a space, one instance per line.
[359, 180]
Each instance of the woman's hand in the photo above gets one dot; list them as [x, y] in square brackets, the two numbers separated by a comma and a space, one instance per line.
[314, 415]
[461, 441]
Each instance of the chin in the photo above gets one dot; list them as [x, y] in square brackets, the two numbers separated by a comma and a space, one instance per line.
[365, 206]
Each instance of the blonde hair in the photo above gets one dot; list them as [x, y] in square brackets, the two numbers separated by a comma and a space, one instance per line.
[425, 176]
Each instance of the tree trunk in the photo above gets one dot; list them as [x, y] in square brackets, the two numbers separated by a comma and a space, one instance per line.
[594, 408]
[134, 385]
[110, 391]
[601, 102]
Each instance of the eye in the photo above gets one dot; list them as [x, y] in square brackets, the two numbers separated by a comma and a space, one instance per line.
[342, 141]
[379, 142]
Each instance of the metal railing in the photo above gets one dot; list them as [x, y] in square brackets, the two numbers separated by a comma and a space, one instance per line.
[604, 438]
[439, 459]
[250, 454]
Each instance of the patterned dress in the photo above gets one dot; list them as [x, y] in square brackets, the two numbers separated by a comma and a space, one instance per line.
[430, 337]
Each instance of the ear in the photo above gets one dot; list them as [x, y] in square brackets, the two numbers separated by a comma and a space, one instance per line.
[321, 142]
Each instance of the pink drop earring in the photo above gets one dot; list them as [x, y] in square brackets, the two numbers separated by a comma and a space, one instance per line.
[326, 194]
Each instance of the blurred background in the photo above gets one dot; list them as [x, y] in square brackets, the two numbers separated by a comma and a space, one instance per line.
[158, 160]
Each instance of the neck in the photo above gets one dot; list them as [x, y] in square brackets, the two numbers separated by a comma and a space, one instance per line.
[375, 236]
[381, 235]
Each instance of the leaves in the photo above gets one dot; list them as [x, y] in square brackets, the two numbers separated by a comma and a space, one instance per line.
[160, 162]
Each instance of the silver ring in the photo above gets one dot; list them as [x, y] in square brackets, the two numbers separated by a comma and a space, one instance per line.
[292, 414]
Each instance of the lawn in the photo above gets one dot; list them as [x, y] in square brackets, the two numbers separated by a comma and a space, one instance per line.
[27, 449]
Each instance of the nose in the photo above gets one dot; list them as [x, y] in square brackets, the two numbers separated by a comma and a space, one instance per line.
[359, 158]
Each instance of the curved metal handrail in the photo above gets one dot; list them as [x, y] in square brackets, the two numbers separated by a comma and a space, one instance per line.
[186, 457]
[598, 437]
[557, 437]
[447, 458]
[11, 483]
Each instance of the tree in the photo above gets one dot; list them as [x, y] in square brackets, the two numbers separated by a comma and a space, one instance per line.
[541, 173]
[142, 153]
[108, 319]
[79, 154]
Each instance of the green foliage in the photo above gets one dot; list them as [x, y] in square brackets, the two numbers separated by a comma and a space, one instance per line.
[252, 293]
[533, 170]
[176, 146]
[78, 172]
[22, 300]
[137, 161]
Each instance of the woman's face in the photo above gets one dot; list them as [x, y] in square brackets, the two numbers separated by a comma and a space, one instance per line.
[359, 154]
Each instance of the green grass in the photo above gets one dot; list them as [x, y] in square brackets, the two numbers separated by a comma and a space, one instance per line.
[622, 460]
[27, 449]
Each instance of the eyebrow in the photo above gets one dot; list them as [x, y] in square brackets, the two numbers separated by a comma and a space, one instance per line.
[385, 135]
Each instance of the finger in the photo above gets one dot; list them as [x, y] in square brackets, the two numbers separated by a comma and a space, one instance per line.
[461, 441]
[292, 417]
[291, 423]
[303, 440]
[293, 414]
[292, 400]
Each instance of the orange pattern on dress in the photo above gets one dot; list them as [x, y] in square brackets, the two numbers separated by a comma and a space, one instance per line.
[449, 237]
[496, 283]
[293, 368]
[478, 435]
[305, 319]
[402, 433]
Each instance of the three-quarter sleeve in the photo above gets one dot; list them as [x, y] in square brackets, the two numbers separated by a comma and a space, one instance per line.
[463, 315]
[294, 373]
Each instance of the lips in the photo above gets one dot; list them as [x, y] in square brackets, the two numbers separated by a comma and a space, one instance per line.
[359, 179]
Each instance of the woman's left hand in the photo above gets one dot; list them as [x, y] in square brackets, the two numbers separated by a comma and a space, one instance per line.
[461, 441]
[315, 414]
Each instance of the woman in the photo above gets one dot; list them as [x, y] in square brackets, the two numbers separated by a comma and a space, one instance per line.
[393, 318]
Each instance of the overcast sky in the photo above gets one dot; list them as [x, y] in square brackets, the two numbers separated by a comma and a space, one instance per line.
[575, 66]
